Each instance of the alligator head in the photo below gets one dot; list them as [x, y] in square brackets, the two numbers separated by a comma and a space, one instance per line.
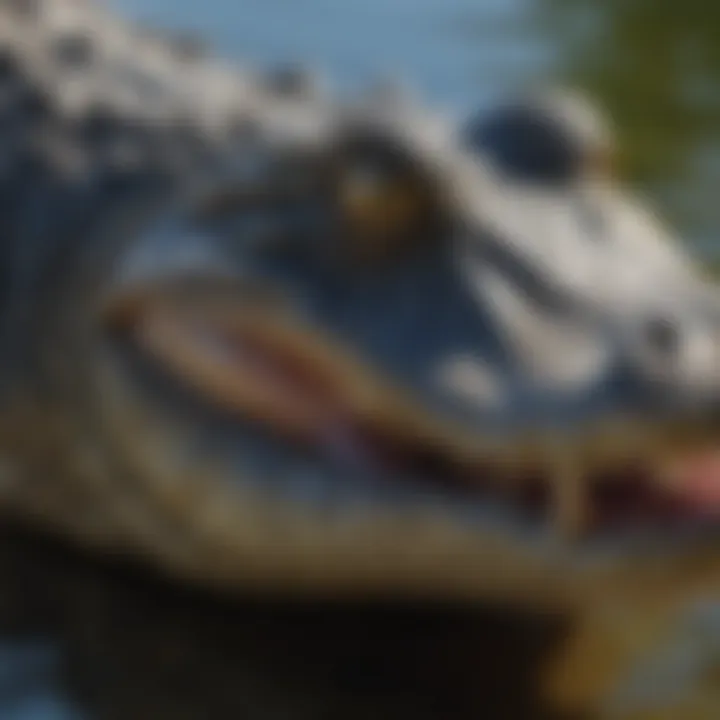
[394, 362]
[347, 351]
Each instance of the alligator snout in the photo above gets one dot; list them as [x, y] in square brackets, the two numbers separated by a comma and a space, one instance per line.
[365, 347]
[488, 358]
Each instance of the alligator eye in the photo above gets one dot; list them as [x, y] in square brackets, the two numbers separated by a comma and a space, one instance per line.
[384, 200]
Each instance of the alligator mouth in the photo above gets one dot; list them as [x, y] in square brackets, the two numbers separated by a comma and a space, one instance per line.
[252, 361]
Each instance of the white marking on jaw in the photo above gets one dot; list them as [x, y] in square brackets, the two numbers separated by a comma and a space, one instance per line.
[552, 354]
[473, 381]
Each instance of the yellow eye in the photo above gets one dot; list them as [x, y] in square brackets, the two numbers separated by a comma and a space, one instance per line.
[383, 208]
[380, 204]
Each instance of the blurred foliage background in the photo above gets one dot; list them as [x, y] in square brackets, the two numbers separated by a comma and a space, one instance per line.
[655, 66]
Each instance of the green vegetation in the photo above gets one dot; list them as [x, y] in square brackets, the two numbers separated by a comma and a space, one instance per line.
[655, 66]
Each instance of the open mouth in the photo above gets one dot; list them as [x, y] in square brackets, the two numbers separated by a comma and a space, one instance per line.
[251, 361]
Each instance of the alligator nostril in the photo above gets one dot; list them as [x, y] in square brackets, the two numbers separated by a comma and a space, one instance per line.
[663, 335]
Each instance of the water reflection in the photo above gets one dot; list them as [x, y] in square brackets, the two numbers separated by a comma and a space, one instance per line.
[81, 641]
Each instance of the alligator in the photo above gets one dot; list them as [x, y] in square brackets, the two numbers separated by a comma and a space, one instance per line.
[262, 339]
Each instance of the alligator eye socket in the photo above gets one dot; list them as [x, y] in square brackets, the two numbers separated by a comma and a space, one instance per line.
[384, 201]
[553, 140]
[376, 202]
[525, 145]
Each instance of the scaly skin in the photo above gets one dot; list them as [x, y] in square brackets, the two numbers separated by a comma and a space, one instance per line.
[444, 312]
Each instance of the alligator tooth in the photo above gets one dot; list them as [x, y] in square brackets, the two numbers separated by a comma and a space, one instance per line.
[569, 502]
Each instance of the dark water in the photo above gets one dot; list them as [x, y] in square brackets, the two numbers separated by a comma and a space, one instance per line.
[81, 640]
[77, 641]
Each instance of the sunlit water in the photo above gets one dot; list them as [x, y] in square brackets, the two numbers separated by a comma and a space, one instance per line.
[655, 67]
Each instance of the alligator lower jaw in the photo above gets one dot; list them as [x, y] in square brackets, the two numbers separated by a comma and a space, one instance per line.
[256, 365]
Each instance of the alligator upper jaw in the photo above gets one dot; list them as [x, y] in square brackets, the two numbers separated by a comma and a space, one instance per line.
[250, 360]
